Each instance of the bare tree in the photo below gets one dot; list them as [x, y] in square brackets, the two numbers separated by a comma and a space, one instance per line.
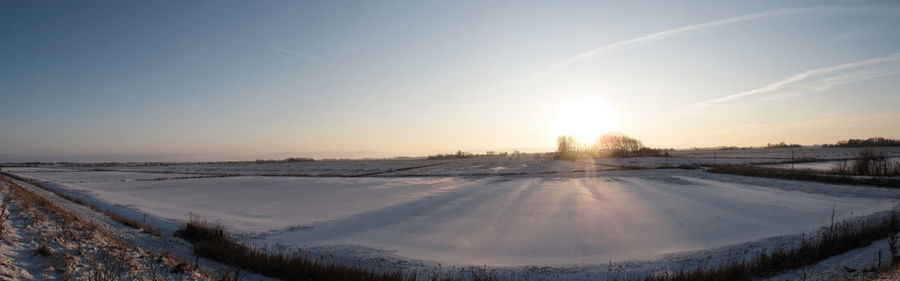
[566, 148]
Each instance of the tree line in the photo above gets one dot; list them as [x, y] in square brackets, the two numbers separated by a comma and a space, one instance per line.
[870, 142]
[608, 145]
[782, 145]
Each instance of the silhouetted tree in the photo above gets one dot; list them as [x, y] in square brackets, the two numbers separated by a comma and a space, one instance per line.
[566, 148]
[609, 145]
[620, 145]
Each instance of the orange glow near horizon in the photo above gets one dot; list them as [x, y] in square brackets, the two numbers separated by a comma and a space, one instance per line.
[586, 119]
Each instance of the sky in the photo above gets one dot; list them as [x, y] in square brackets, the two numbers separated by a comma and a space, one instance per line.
[236, 80]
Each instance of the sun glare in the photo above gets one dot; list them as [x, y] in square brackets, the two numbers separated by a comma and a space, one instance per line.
[585, 119]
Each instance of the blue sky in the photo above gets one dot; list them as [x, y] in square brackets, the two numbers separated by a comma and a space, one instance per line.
[211, 80]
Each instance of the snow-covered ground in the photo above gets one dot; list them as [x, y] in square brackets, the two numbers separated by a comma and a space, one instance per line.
[561, 220]
[483, 165]
[526, 216]
[478, 166]
[512, 164]
[851, 265]
[585, 220]
[42, 241]
[100, 176]
[523, 164]
[38, 169]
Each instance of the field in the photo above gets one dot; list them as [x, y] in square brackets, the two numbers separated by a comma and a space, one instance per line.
[419, 213]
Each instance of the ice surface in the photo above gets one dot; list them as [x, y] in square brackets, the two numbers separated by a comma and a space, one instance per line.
[589, 218]
[582, 220]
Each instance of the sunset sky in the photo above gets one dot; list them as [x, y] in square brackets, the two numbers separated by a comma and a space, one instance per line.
[233, 80]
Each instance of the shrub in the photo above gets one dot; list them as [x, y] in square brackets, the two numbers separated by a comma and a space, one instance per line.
[830, 241]
[802, 174]
[43, 250]
[869, 163]
[211, 241]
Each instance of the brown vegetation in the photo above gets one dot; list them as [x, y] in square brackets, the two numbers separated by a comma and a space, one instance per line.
[114, 216]
[802, 174]
[830, 241]
[869, 163]
[43, 250]
[212, 242]
[80, 250]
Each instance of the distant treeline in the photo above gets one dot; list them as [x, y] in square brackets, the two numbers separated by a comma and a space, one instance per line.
[609, 145]
[264, 161]
[459, 154]
[733, 148]
[782, 145]
[870, 142]
[291, 159]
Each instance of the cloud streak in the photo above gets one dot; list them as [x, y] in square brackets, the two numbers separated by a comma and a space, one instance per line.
[671, 32]
[824, 78]
[307, 57]
[751, 17]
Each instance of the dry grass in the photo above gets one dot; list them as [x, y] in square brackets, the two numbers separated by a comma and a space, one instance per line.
[803, 174]
[43, 250]
[869, 163]
[4, 215]
[109, 259]
[211, 241]
[130, 223]
[114, 216]
[830, 241]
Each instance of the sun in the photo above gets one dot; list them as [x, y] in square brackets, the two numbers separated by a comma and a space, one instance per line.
[586, 119]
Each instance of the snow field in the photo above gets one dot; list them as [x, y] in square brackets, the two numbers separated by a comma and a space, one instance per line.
[586, 219]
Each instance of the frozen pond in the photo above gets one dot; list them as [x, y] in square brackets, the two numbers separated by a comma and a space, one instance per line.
[609, 216]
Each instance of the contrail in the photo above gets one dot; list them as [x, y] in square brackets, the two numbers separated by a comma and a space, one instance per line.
[830, 81]
[671, 32]
[311, 58]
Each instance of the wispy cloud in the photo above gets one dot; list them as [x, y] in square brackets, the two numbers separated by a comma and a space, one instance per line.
[751, 17]
[821, 79]
[307, 57]
[816, 129]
